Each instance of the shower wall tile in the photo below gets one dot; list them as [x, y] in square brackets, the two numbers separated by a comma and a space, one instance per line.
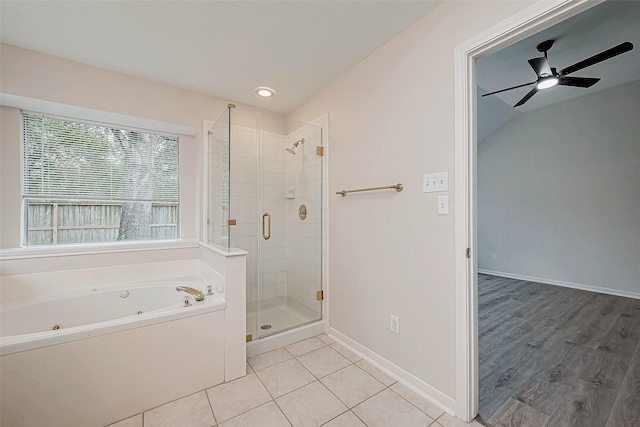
[247, 190]
[281, 289]
[247, 151]
[269, 166]
[252, 294]
[246, 135]
[245, 177]
[272, 200]
[268, 154]
[281, 155]
[245, 163]
[291, 257]
[304, 248]
[268, 279]
[268, 140]
[268, 291]
[245, 202]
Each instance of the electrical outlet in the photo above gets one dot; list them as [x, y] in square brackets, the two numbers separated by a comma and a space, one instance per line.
[395, 324]
[495, 255]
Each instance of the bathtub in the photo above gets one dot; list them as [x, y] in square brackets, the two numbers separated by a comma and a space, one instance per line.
[61, 317]
[94, 356]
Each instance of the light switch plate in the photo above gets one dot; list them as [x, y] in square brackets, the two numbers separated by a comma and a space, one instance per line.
[442, 181]
[443, 205]
[434, 182]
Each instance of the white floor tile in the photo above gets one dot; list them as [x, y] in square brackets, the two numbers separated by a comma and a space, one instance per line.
[234, 398]
[323, 361]
[388, 409]
[325, 339]
[305, 346]
[190, 411]
[416, 400]
[267, 415]
[346, 352]
[376, 373]
[269, 358]
[285, 377]
[135, 421]
[346, 420]
[352, 385]
[310, 406]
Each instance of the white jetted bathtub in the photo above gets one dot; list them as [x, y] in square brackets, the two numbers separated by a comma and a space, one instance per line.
[94, 356]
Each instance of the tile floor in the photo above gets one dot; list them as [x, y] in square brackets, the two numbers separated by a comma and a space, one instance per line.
[315, 382]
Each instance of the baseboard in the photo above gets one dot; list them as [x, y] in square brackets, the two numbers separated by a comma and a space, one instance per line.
[426, 391]
[572, 285]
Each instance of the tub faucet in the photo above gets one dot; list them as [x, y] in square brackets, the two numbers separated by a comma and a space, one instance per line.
[199, 296]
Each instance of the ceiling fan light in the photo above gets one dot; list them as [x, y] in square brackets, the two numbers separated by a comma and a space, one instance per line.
[547, 82]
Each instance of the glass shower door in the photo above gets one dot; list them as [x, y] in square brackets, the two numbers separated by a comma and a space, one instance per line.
[290, 224]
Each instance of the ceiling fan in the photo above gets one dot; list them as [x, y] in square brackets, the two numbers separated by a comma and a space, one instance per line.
[549, 77]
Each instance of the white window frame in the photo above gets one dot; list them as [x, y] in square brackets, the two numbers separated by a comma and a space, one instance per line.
[89, 114]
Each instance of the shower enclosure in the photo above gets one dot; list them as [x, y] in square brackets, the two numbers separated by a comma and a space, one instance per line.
[265, 197]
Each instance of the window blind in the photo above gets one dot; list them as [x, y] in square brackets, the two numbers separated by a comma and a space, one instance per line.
[68, 159]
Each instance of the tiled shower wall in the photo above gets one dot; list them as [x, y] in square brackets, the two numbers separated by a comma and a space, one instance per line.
[248, 209]
[304, 238]
[291, 258]
[272, 200]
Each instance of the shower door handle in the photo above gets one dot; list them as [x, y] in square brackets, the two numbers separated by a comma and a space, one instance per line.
[267, 235]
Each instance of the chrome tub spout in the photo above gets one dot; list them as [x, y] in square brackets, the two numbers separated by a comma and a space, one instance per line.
[199, 296]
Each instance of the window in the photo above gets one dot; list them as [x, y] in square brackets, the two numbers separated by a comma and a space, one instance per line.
[87, 183]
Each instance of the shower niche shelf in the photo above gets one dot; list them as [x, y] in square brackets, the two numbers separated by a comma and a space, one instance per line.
[291, 194]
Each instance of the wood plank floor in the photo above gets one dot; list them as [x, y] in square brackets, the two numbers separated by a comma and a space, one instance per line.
[555, 357]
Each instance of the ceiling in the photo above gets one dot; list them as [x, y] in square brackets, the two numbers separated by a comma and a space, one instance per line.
[576, 38]
[221, 48]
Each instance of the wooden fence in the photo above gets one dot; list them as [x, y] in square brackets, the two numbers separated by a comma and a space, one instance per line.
[51, 223]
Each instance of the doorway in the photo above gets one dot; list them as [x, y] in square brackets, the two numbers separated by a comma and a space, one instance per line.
[529, 22]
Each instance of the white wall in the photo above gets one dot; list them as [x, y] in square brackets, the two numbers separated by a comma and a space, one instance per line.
[39, 76]
[558, 193]
[392, 120]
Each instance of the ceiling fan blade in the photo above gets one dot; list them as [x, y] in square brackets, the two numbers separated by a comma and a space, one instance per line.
[602, 56]
[577, 81]
[540, 66]
[509, 88]
[527, 97]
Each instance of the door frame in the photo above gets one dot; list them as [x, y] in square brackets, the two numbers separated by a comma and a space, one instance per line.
[541, 15]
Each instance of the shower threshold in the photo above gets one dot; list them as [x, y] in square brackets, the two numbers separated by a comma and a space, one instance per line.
[280, 314]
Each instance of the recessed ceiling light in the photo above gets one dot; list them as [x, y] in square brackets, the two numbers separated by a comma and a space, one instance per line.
[265, 92]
